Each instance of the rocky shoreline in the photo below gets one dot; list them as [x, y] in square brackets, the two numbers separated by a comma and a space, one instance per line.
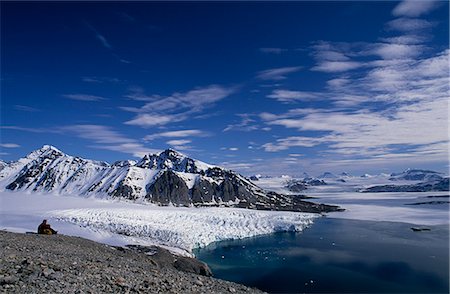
[32, 263]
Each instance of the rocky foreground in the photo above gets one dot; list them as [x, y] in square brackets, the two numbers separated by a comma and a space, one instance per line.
[33, 263]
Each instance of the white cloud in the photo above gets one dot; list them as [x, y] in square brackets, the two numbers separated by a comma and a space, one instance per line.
[397, 51]
[236, 166]
[276, 74]
[289, 96]
[106, 138]
[150, 120]
[337, 66]
[31, 130]
[414, 8]
[9, 145]
[97, 133]
[338, 82]
[83, 97]
[406, 39]
[247, 124]
[233, 149]
[296, 141]
[178, 106]
[409, 24]
[178, 142]
[99, 36]
[408, 117]
[177, 134]
[26, 108]
[135, 149]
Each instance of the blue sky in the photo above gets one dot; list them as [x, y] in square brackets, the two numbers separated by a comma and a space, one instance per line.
[259, 87]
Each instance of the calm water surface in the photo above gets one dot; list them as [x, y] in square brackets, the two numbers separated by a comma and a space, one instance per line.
[338, 256]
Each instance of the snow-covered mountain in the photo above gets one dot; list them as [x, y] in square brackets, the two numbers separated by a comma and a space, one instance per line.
[416, 175]
[433, 185]
[2, 164]
[168, 177]
[327, 175]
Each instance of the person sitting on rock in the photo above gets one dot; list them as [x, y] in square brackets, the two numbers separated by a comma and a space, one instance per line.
[45, 229]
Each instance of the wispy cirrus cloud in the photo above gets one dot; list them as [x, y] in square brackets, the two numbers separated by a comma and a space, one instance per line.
[146, 120]
[247, 123]
[422, 84]
[403, 84]
[337, 66]
[26, 108]
[31, 130]
[289, 142]
[409, 25]
[277, 74]
[178, 106]
[414, 8]
[99, 36]
[177, 134]
[180, 144]
[9, 145]
[397, 51]
[406, 39]
[83, 97]
[105, 43]
[100, 136]
[334, 57]
[289, 96]
[104, 137]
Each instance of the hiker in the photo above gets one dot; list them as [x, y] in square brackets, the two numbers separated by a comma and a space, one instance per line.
[45, 229]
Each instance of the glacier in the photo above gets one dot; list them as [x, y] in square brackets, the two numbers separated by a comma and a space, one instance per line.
[179, 229]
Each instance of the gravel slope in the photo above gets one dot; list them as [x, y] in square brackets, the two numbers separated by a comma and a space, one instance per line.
[33, 263]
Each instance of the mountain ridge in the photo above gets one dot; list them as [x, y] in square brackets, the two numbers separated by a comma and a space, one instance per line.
[165, 178]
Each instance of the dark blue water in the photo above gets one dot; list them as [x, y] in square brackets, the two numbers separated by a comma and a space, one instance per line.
[337, 256]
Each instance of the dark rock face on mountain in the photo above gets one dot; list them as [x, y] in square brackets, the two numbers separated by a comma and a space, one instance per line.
[169, 159]
[314, 182]
[169, 188]
[166, 178]
[204, 191]
[440, 185]
[296, 186]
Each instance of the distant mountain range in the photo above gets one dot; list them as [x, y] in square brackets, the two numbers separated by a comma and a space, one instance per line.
[166, 178]
[416, 175]
[436, 185]
[422, 181]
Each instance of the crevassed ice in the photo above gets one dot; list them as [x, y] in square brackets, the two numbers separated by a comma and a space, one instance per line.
[186, 228]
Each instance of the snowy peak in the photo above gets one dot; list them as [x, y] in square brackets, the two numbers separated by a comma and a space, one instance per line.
[173, 160]
[45, 151]
[327, 175]
[124, 163]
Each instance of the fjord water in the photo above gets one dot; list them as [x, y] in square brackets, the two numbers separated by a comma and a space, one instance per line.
[337, 256]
